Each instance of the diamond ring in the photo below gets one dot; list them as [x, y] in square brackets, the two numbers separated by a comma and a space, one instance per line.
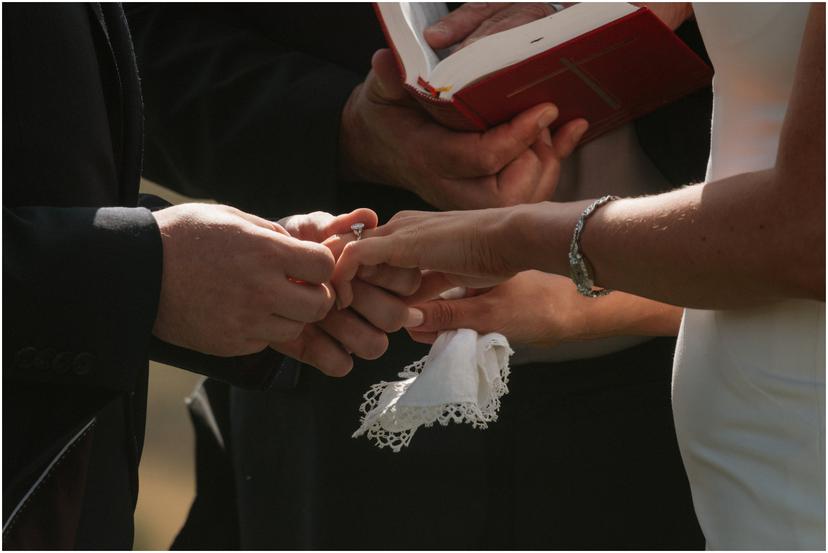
[356, 228]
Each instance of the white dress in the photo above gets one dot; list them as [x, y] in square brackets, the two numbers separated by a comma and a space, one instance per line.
[749, 385]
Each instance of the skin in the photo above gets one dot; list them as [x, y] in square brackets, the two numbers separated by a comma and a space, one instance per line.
[529, 320]
[387, 138]
[228, 285]
[475, 20]
[377, 308]
[740, 241]
[234, 284]
[543, 310]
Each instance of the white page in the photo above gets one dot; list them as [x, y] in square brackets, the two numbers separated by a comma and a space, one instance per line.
[420, 16]
[405, 22]
[506, 48]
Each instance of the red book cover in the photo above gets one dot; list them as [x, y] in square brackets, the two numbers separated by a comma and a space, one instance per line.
[608, 76]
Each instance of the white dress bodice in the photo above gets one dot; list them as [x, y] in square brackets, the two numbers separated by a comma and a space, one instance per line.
[749, 384]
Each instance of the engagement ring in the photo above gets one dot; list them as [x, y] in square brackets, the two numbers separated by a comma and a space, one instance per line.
[357, 230]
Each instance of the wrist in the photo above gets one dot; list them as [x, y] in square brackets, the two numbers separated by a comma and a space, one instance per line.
[541, 235]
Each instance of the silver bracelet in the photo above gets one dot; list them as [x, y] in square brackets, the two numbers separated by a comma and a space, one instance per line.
[578, 266]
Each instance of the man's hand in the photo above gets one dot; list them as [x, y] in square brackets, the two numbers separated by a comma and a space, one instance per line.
[377, 308]
[233, 283]
[387, 138]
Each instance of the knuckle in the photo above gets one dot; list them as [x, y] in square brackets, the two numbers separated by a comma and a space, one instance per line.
[323, 307]
[319, 258]
[536, 10]
[488, 161]
[499, 17]
[442, 314]
[401, 215]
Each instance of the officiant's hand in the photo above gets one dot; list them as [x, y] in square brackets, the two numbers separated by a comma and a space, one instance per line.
[377, 308]
[540, 309]
[232, 283]
[475, 20]
[387, 138]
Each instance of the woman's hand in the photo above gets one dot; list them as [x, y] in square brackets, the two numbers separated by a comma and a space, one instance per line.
[377, 308]
[542, 309]
[473, 247]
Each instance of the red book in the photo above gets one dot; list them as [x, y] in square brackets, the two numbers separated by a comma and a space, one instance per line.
[607, 63]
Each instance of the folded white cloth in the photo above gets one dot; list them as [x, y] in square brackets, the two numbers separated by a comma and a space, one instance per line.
[461, 379]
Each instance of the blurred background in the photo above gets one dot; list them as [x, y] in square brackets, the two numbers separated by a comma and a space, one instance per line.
[167, 473]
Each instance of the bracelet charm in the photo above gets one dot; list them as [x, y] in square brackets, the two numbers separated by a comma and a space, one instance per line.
[578, 267]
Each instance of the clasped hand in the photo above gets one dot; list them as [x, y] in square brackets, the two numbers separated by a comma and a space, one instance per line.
[234, 284]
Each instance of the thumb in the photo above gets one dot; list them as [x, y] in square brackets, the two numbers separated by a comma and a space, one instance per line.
[451, 314]
[385, 81]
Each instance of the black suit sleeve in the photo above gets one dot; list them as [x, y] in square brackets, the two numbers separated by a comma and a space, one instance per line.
[81, 288]
[232, 114]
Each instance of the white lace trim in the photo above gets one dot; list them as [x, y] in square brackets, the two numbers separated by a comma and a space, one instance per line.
[409, 418]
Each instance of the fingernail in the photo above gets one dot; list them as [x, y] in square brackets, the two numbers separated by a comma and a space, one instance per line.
[338, 303]
[367, 271]
[546, 136]
[580, 130]
[547, 117]
[415, 318]
[454, 293]
[437, 29]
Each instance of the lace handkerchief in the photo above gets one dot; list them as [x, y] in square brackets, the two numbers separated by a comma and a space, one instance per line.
[461, 380]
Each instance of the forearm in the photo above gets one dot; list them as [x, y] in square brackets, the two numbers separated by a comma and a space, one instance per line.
[622, 314]
[735, 242]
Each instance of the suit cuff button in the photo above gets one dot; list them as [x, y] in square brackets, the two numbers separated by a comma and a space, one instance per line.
[62, 363]
[24, 358]
[43, 361]
[83, 364]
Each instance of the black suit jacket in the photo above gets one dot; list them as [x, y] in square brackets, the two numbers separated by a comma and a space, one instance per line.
[81, 277]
